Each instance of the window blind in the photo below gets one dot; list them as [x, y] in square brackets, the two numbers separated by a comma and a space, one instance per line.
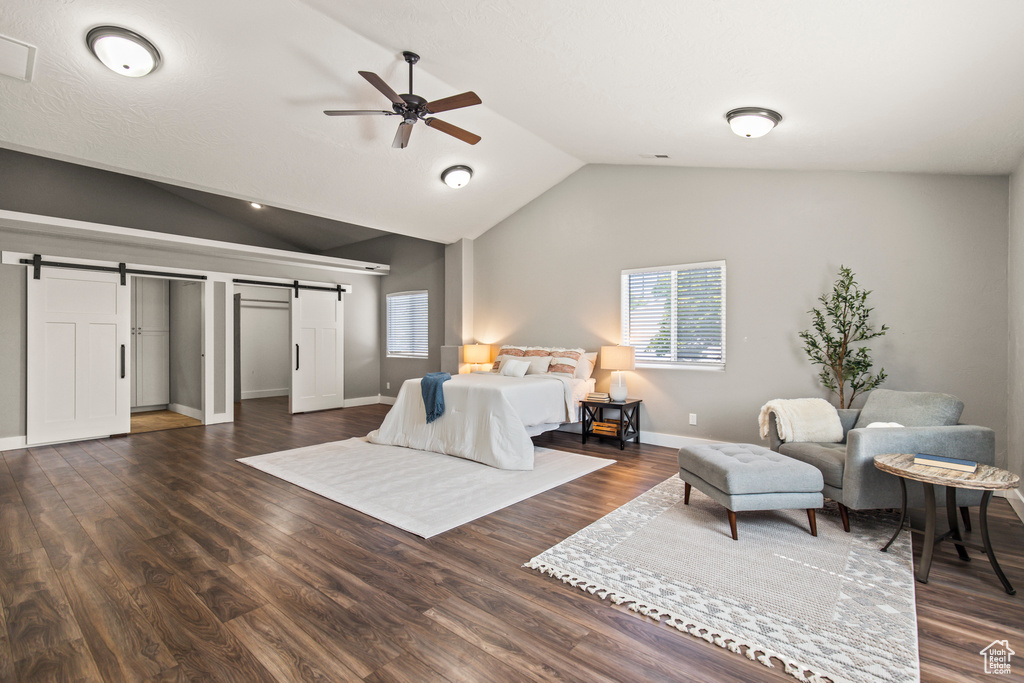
[675, 315]
[407, 325]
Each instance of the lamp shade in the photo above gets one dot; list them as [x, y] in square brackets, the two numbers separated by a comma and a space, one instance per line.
[476, 353]
[618, 358]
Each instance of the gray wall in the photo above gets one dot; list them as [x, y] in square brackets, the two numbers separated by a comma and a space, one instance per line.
[186, 341]
[932, 249]
[13, 360]
[50, 187]
[1015, 403]
[415, 265]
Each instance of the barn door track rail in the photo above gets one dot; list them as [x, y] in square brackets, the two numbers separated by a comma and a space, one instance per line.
[294, 285]
[38, 263]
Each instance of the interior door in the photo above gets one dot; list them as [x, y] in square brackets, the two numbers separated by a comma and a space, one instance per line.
[318, 351]
[79, 374]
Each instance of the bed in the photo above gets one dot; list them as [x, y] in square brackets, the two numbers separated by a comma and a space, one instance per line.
[488, 417]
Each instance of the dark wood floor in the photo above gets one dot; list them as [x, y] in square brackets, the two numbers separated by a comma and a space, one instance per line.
[158, 557]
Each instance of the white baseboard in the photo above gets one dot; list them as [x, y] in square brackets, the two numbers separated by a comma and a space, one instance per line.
[363, 401]
[187, 411]
[673, 440]
[652, 438]
[1016, 500]
[12, 443]
[264, 393]
[148, 409]
[388, 400]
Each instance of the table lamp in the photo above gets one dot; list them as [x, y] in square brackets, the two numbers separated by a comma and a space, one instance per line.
[476, 354]
[618, 358]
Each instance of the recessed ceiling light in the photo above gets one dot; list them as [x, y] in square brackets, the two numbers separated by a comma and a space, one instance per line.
[752, 122]
[255, 205]
[457, 176]
[122, 51]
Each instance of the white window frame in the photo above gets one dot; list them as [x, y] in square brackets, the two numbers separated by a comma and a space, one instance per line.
[675, 365]
[387, 324]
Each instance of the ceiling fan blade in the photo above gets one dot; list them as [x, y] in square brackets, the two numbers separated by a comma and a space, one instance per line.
[466, 99]
[402, 136]
[357, 112]
[378, 83]
[454, 131]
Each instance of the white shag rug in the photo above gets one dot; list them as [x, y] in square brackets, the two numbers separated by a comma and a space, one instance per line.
[421, 492]
[831, 607]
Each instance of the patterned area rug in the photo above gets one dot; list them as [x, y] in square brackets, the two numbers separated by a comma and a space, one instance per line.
[831, 607]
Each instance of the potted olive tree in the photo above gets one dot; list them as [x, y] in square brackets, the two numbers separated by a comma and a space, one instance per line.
[836, 340]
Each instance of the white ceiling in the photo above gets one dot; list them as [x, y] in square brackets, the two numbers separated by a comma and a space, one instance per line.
[931, 86]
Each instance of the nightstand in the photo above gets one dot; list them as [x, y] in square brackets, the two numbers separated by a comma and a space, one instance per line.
[626, 427]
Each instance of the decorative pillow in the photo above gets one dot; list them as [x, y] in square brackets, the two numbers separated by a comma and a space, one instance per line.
[538, 364]
[513, 351]
[538, 351]
[564, 361]
[514, 367]
[585, 366]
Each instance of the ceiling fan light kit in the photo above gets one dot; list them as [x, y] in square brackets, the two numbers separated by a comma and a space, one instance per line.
[413, 108]
[457, 176]
[123, 51]
[752, 122]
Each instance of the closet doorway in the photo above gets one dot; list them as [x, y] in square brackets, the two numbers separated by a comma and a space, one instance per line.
[262, 345]
[289, 342]
[166, 354]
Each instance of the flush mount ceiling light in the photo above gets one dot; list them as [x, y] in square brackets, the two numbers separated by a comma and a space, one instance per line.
[457, 176]
[122, 51]
[255, 205]
[752, 122]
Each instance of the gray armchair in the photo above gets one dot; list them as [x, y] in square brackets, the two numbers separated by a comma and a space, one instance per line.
[930, 426]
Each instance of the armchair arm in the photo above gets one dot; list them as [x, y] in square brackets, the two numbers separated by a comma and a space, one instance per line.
[865, 486]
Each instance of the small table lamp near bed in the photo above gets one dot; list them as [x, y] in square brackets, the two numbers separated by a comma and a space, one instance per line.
[476, 354]
[618, 358]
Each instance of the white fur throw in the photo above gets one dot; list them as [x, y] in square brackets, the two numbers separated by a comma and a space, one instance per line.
[802, 419]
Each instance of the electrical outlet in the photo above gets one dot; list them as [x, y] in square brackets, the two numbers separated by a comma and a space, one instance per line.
[387, 385]
[693, 418]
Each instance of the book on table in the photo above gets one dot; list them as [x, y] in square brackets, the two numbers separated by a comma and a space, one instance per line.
[945, 462]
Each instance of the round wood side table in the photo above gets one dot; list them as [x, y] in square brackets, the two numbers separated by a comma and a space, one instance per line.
[986, 478]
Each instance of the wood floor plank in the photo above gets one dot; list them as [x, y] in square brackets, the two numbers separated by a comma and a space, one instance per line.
[159, 557]
[287, 651]
[203, 647]
[357, 645]
[121, 640]
[36, 609]
[69, 660]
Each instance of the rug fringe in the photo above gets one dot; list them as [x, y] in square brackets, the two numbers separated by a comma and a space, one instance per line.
[797, 670]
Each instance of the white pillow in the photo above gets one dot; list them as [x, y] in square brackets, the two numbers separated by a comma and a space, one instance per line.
[514, 367]
[538, 364]
[884, 425]
[585, 366]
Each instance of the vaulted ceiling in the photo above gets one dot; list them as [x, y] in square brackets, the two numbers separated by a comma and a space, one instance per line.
[932, 86]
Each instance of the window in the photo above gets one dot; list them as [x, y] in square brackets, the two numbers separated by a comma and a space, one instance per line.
[674, 316]
[407, 325]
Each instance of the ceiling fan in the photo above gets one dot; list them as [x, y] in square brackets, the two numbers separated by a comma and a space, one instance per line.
[413, 108]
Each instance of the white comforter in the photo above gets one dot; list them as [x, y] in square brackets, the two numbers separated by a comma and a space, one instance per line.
[485, 417]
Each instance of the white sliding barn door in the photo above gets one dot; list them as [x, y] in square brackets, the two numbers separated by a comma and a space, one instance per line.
[318, 351]
[79, 370]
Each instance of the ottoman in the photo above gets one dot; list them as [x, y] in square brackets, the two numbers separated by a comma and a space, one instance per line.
[744, 476]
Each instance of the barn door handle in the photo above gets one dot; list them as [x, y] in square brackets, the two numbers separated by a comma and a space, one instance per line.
[296, 356]
[122, 361]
